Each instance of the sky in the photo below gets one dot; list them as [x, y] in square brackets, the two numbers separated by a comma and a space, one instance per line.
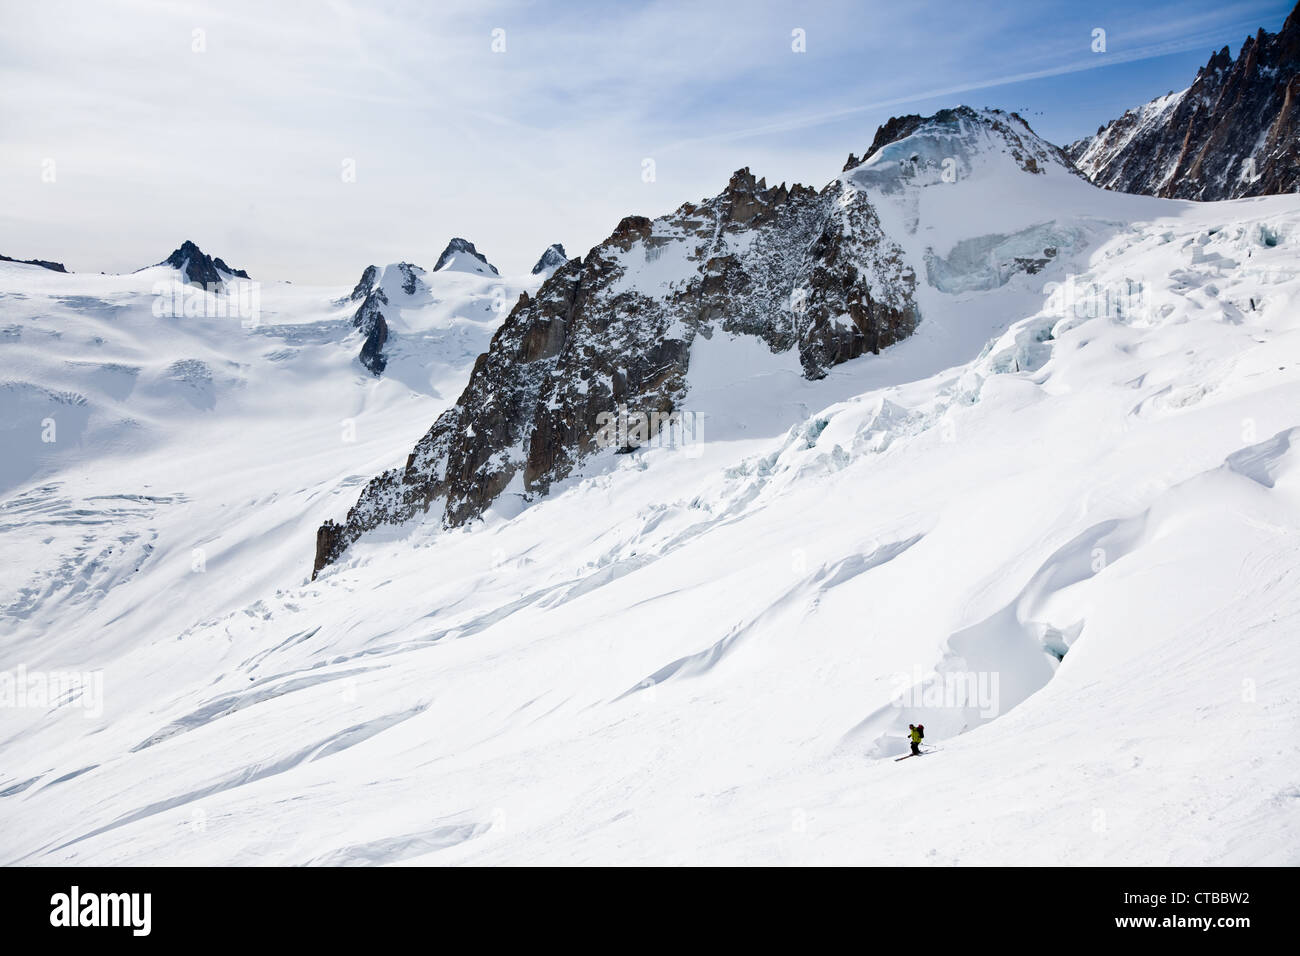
[303, 141]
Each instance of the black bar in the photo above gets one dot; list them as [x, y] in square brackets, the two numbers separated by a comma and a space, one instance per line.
[961, 905]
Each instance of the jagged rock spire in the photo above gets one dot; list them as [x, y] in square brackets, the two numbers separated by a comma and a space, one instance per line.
[198, 268]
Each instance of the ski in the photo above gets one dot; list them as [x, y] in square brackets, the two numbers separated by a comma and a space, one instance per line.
[905, 756]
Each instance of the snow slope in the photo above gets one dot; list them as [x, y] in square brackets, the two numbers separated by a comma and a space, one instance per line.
[1074, 492]
[141, 445]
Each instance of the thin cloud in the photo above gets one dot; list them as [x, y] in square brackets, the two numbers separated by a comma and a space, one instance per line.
[808, 121]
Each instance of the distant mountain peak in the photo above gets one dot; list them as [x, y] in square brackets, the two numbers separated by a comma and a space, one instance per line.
[369, 319]
[961, 134]
[198, 268]
[461, 256]
[365, 284]
[551, 259]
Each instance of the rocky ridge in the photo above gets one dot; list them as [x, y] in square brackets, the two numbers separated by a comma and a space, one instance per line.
[799, 268]
[1234, 132]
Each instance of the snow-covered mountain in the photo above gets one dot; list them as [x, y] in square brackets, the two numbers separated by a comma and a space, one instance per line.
[461, 256]
[550, 260]
[959, 438]
[1234, 132]
[402, 304]
[103, 370]
[829, 275]
[198, 268]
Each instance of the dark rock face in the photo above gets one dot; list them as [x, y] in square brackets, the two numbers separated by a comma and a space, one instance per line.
[367, 282]
[796, 267]
[410, 277]
[459, 247]
[200, 269]
[240, 273]
[551, 259]
[1234, 132]
[44, 264]
[369, 318]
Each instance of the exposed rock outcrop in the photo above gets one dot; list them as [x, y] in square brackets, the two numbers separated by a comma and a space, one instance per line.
[796, 267]
[803, 270]
[550, 260]
[369, 319]
[365, 284]
[370, 322]
[43, 263]
[198, 268]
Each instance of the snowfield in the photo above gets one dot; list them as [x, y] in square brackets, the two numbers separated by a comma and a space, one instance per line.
[1060, 526]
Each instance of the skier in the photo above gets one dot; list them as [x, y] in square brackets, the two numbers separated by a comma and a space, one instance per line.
[917, 734]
